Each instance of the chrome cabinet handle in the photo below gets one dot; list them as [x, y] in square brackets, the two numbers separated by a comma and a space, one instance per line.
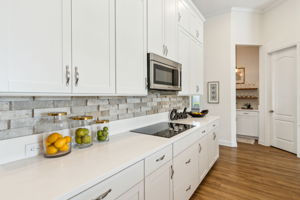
[76, 76]
[215, 136]
[200, 148]
[197, 34]
[146, 83]
[271, 111]
[172, 172]
[161, 158]
[102, 196]
[188, 162]
[203, 131]
[197, 88]
[68, 76]
[190, 187]
[167, 50]
[179, 17]
[164, 49]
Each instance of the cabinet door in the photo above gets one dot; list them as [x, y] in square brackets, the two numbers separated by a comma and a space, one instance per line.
[135, 193]
[203, 158]
[213, 151]
[186, 177]
[183, 15]
[158, 185]
[35, 46]
[196, 53]
[247, 124]
[197, 28]
[170, 29]
[156, 27]
[184, 59]
[93, 46]
[131, 59]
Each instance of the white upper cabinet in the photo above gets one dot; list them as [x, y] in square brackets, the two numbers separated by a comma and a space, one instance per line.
[35, 46]
[184, 59]
[131, 47]
[93, 37]
[183, 17]
[162, 28]
[196, 76]
[197, 28]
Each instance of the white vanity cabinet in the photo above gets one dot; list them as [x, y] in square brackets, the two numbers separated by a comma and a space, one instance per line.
[247, 123]
[35, 50]
[162, 28]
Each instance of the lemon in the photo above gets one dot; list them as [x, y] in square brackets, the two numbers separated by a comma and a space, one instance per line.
[68, 139]
[53, 137]
[51, 150]
[64, 148]
[60, 142]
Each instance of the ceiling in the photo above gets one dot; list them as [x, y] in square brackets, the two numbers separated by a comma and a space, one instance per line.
[215, 7]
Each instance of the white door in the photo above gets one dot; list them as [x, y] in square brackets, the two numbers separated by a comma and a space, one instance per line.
[131, 47]
[35, 46]
[284, 99]
[158, 185]
[170, 29]
[196, 54]
[184, 59]
[135, 193]
[156, 27]
[93, 46]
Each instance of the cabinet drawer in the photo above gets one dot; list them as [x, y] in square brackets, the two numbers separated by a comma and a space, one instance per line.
[187, 141]
[116, 185]
[246, 113]
[158, 159]
[213, 125]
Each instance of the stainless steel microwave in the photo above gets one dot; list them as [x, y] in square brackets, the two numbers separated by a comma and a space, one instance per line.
[163, 74]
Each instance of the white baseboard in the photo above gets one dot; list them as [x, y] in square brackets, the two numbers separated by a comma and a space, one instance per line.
[228, 143]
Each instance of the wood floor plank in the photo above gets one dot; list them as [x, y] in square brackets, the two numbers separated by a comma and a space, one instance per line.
[252, 172]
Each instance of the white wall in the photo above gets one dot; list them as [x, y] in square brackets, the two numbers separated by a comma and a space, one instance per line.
[217, 61]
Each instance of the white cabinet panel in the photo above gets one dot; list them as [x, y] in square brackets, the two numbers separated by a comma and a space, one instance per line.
[213, 151]
[35, 46]
[156, 27]
[184, 59]
[197, 28]
[93, 46]
[203, 157]
[184, 16]
[186, 177]
[196, 59]
[247, 123]
[131, 47]
[135, 193]
[158, 185]
[171, 29]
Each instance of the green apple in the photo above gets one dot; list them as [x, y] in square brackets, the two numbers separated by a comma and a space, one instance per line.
[86, 139]
[99, 133]
[105, 128]
[101, 138]
[78, 140]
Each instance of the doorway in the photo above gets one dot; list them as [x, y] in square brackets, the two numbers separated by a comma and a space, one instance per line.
[247, 93]
[283, 99]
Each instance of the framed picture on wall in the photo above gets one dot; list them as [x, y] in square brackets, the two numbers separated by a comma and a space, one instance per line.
[240, 75]
[213, 92]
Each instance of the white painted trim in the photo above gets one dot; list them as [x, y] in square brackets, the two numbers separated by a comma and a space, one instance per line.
[227, 143]
[247, 10]
[273, 5]
[192, 5]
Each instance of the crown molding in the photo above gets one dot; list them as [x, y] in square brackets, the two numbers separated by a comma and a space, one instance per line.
[273, 5]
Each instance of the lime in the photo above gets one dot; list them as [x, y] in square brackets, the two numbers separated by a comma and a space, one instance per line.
[86, 131]
[105, 128]
[99, 133]
[78, 140]
[86, 139]
[101, 138]
[105, 133]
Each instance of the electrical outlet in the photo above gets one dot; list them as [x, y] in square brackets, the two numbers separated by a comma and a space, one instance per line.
[32, 149]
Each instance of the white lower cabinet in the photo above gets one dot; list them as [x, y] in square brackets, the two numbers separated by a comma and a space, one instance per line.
[202, 158]
[247, 123]
[159, 184]
[213, 150]
[119, 186]
[135, 193]
[186, 173]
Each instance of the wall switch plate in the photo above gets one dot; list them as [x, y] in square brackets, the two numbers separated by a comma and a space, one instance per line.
[33, 149]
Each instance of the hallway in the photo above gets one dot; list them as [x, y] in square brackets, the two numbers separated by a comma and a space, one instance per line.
[252, 172]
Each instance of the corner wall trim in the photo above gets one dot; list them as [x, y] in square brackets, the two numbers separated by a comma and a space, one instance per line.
[227, 143]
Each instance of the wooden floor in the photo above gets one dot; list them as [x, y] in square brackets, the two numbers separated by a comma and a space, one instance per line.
[252, 172]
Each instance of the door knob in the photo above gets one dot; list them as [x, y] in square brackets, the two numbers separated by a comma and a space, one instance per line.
[271, 111]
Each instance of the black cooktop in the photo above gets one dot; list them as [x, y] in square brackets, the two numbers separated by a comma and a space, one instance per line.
[164, 129]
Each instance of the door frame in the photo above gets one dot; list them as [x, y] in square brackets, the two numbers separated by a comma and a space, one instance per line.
[266, 95]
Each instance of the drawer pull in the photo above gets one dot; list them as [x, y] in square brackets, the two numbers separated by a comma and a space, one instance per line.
[200, 148]
[189, 188]
[102, 196]
[215, 136]
[214, 125]
[172, 172]
[203, 131]
[188, 162]
[161, 158]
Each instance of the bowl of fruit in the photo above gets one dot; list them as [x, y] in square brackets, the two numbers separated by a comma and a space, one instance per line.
[56, 144]
[201, 114]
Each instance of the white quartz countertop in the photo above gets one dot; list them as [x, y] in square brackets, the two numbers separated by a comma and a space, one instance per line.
[61, 178]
